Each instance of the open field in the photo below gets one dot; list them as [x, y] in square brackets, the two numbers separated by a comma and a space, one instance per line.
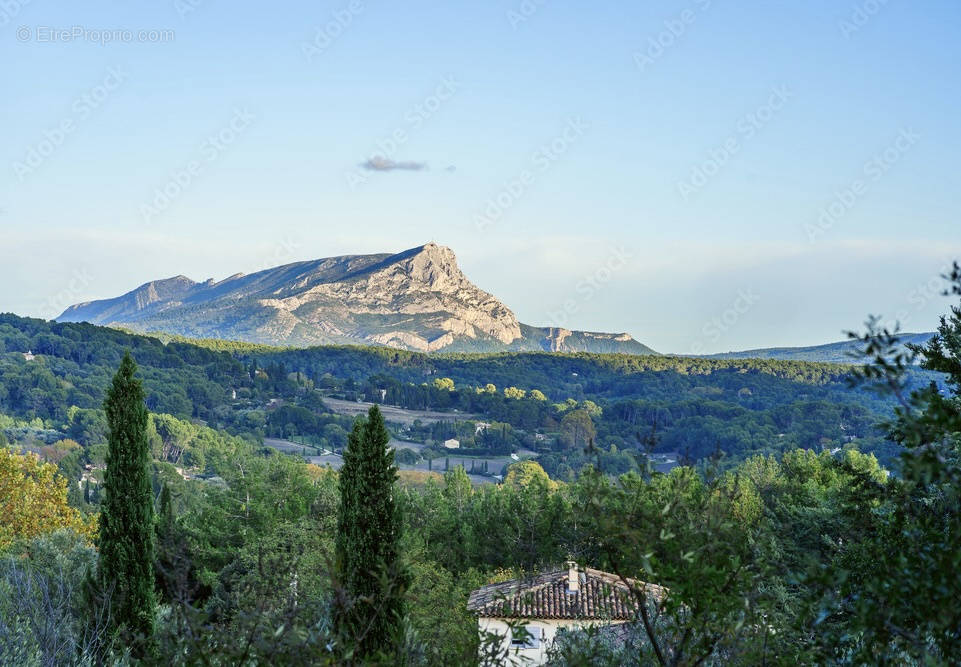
[394, 414]
[335, 461]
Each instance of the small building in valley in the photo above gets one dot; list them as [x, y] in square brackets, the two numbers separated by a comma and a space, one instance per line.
[452, 443]
[568, 597]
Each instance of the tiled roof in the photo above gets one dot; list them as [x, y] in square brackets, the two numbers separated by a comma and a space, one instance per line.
[601, 596]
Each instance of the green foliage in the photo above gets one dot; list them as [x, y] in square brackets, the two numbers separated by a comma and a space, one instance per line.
[449, 637]
[191, 445]
[523, 474]
[43, 616]
[245, 564]
[406, 456]
[577, 428]
[370, 612]
[125, 567]
[445, 384]
[602, 647]
[692, 536]
[514, 392]
[891, 597]
[524, 525]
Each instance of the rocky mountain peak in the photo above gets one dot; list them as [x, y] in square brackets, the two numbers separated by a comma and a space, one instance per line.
[416, 299]
[432, 265]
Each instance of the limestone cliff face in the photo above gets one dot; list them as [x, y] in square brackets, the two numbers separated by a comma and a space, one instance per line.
[418, 300]
[421, 297]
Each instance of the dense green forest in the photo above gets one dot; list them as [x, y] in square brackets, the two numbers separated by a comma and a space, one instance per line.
[691, 407]
[784, 542]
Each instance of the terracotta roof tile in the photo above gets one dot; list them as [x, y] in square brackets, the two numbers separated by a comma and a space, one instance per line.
[602, 596]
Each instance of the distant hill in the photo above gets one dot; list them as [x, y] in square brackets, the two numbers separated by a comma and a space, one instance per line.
[416, 300]
[835, 353]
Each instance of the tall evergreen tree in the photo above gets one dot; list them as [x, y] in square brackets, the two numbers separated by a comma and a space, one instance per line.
[371, 608]
[125, 568]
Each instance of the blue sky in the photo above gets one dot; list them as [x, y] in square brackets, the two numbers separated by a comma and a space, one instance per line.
[705, 175]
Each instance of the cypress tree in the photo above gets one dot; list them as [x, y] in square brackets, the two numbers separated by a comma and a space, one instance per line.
[370, 608]
[125, 567]
[170, 570]
[165, 517]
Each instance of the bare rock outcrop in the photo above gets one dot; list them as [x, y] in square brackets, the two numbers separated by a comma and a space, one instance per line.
[417, 299]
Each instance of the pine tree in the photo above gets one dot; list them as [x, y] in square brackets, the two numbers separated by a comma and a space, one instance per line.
[371, 608]
[125, 567]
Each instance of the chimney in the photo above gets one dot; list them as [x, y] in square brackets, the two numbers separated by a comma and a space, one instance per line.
[573, 581]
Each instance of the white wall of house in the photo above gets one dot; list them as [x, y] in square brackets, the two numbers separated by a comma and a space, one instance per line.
[547, 628]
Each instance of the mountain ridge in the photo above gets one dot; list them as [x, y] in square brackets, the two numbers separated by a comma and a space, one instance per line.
[417, 299]
[838, 352]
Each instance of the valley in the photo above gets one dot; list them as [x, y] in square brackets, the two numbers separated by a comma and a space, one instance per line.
[554, 405]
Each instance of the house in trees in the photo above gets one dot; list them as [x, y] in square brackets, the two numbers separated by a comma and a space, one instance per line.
[568, 597]
[451, 443]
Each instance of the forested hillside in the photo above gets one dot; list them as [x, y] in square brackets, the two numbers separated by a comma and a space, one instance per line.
[555, 404]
